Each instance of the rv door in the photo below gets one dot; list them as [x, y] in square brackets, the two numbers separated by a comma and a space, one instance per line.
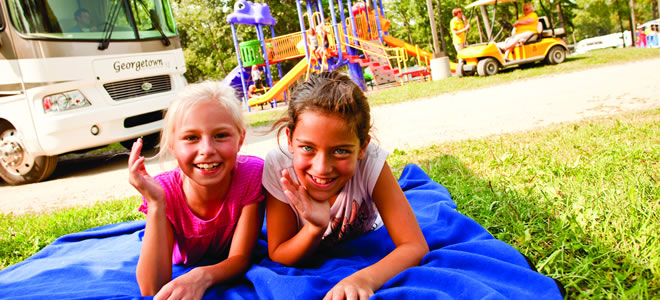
[10, 77]
[17, 133]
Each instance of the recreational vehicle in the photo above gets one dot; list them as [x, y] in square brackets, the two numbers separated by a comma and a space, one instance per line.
[82, 74]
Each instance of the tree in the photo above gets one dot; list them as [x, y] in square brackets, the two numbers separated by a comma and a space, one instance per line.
[206, 36]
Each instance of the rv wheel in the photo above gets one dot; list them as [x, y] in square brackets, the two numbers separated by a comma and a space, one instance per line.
[17, 166]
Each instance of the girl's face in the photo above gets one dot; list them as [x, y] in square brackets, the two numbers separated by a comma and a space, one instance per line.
[206, 143]
[325, 152]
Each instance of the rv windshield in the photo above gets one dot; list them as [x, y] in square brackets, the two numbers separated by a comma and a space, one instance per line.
[86, 20]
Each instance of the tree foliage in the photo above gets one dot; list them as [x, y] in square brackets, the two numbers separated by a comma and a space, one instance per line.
[206, 36]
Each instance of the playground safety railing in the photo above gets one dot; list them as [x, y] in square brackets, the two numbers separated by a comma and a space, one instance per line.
[366, 28]
[284, 46]
[397, 54]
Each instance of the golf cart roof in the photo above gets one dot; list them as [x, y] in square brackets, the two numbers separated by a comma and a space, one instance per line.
[488, 2]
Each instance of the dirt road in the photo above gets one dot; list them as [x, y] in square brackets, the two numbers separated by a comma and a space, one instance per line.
[512, 107]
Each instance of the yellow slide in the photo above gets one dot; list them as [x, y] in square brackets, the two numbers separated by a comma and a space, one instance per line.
[282, 85]
[411, 49]
[394, 42]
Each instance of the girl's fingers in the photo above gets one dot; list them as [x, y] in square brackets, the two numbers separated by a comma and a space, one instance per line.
[294, 200]
[135, 152]
[286, 175]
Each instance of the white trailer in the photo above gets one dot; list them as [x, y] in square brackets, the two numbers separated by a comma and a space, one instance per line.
[82, 74]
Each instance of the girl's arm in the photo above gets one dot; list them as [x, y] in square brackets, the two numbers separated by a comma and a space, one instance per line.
[404, 230]
[285, 244]
[194, 284]
[154, 268]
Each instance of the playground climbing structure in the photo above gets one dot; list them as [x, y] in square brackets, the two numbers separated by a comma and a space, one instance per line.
[357, 39]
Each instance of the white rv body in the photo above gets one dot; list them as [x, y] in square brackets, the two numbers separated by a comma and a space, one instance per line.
[60, 92]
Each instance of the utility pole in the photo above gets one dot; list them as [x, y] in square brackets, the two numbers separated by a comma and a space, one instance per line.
[442, 35]
[633, 23]
[440, 62]
[434, 32]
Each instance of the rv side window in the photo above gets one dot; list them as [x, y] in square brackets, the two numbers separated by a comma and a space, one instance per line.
[87, 20]
[149, 15]
[2, 22]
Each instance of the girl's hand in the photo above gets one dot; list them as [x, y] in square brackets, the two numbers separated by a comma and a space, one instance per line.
[191, 285]
[317, 213]
[141, 180]
[351, 287]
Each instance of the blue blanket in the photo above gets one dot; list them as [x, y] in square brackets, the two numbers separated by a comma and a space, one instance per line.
[465, 262]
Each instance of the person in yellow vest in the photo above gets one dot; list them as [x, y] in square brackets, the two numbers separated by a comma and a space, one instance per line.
[523, 29]
[458, 29]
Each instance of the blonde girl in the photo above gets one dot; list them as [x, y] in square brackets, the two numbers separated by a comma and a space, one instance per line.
[208, 206]
[333, 184]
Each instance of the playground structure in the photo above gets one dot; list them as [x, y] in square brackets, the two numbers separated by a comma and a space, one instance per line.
[357, 38]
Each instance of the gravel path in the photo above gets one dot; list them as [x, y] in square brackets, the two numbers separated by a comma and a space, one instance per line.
[506, 108]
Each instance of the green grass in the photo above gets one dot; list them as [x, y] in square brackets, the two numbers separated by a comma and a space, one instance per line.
[581, 199]
[263, 118]
[419, 90]
[21, 236]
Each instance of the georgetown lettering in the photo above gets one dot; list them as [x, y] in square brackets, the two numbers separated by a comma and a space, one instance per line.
[137, 65]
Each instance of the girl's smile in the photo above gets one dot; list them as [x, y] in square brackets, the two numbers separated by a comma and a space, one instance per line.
[206, 144]
[325, 153]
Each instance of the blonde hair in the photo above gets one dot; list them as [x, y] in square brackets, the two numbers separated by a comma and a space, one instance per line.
[191, 95]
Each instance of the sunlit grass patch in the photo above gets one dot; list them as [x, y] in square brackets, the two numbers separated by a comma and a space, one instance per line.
[580, 199]
[21, 236]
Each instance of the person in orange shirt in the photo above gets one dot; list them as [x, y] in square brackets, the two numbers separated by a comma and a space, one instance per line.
[524, 29]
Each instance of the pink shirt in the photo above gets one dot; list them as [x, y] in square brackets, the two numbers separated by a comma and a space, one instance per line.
[195, 237]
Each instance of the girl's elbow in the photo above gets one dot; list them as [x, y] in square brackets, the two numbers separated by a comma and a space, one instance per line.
[420, 250]
[424, 250]
[147, 289]
[282, 260]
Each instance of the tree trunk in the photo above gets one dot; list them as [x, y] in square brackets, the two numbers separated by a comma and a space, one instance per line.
[633, 23]
[481, 34]
[560, 13]
[442, 31]
[406, 24]
[623, 35]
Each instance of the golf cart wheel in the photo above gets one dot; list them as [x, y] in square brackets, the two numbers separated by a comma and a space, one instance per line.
[17, 166]
[149, 142]
[488, 67]
[459, 68]
[556, 55]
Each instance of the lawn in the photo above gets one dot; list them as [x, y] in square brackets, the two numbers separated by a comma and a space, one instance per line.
[579, 199]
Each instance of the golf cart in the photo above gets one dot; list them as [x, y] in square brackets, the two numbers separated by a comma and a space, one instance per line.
[486, 59]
